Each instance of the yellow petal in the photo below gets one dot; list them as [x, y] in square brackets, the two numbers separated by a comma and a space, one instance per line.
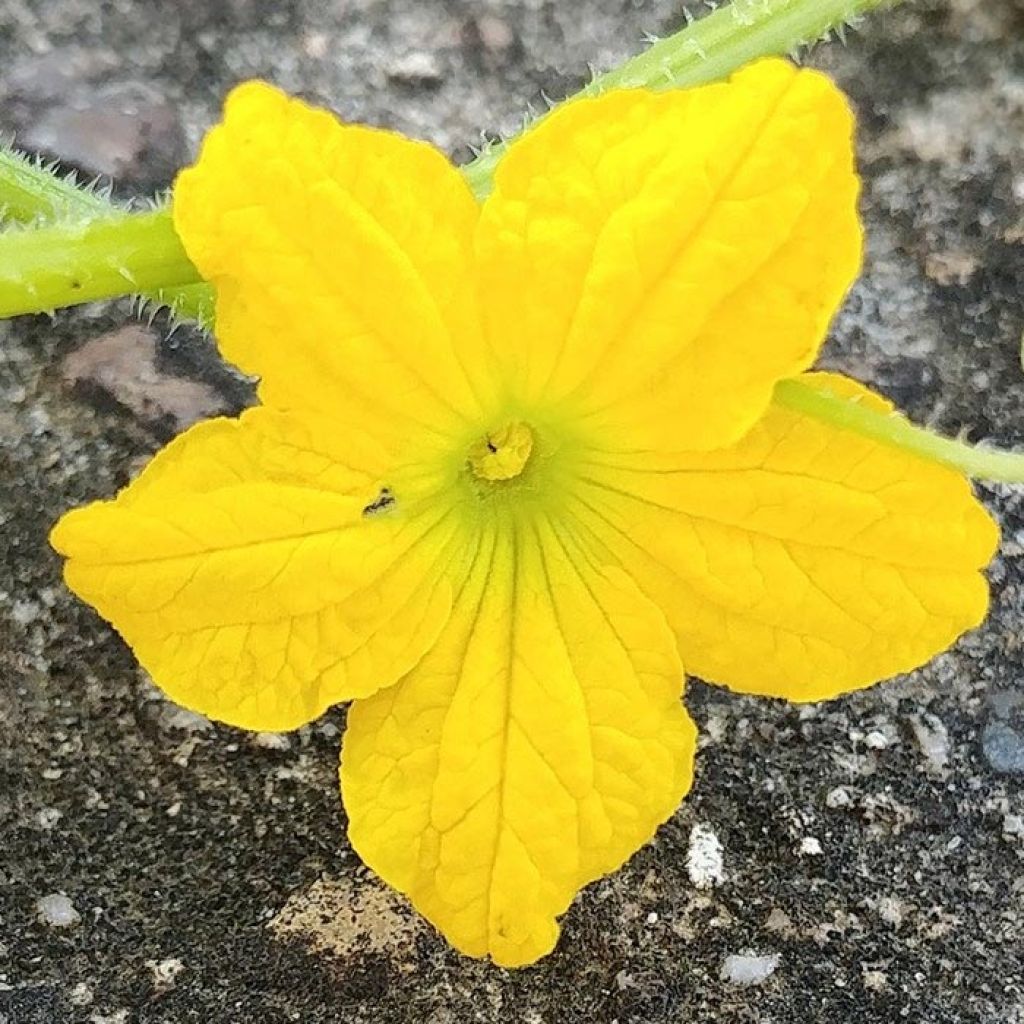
[535, 747]
[340, 256]
[804, 561]
[681, 252]
[244, 573]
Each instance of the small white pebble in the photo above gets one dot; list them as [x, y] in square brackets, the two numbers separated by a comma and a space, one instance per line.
[933, 739]
[52, 774]
[810, 847]
[748, 968]
[177, 719]
[874, 981]
[715, 728]
[174, 810]
[48, 817]
[876, 740]
[24, 613]
[838, 797]
[1013, 825]
[57, 911]
[652, 917]
[704, 863]
[891, 910]
[81, 995]
[316, 45]
[778, 921]
[272, 741]
[117, 1017]
[419, 66]
[165, 972]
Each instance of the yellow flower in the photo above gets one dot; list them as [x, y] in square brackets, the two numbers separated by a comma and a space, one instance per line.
[516, 466]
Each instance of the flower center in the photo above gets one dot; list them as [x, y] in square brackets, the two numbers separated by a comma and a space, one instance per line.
[502, 453]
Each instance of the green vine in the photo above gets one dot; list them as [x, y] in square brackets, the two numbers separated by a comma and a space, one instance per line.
[708, 49]
[893, 429]
[60, 224]
[31, 191]
[78, 261]
[88, 249]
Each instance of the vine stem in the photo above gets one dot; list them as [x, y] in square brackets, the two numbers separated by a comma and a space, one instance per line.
[708, 49]
[33, 196]
[71, 262]
[29, 191]
[893, 429]
[96, 251]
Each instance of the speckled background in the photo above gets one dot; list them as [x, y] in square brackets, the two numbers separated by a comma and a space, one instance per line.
[872, 849]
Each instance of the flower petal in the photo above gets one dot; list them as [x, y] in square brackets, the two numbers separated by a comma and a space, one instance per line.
[803, 561]
[244, 573]
[340, 256]
[681, 252]
[533, 750]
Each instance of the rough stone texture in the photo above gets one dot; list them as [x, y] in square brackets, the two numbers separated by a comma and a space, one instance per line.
[121, 366]
[873, 845]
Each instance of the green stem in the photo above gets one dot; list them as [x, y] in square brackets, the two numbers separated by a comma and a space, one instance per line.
[190, 302]
[29, 192]
[893, 429]
[68, 263]
[710, 48]
[707, 50]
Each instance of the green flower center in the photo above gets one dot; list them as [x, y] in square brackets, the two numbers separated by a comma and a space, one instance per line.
[503, 453]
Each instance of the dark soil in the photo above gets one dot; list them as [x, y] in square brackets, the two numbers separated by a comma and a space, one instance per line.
[876, 844]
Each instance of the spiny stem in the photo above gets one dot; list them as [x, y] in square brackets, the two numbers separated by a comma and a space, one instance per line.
[707, 50]
[188, 303]
[61, 264]
[732, 36]
[710, 48]
[31, 193]
[893, 429]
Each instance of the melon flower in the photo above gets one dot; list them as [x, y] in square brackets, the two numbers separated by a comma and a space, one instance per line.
[516, 467]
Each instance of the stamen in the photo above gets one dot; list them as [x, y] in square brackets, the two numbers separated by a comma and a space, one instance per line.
[503, 453]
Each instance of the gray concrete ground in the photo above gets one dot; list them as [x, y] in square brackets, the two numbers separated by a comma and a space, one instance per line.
[154, 868]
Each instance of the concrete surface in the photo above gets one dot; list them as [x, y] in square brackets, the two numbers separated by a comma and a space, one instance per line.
[861, 861]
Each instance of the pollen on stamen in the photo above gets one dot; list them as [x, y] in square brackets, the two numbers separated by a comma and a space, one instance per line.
[503, 453]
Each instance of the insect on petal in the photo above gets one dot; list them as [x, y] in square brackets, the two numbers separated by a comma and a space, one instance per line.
[251, 574]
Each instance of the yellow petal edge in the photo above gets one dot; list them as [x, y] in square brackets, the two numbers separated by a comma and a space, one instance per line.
[803, 561]
[517, 465]
[534, 749]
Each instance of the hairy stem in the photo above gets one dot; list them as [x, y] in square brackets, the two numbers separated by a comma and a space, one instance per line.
[706, 50]
[30, 193]
[893, 429]
[710, 48]
[66, 263]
